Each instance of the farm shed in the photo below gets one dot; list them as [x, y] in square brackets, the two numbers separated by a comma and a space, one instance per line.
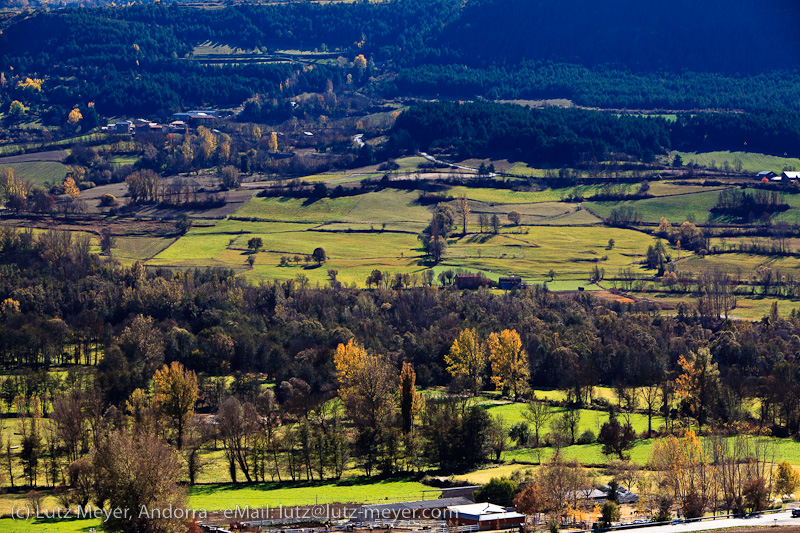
[471, 281]
[486, 516]
[508, 283]
[790, 175]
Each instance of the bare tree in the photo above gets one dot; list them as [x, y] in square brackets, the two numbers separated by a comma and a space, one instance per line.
[69, 417]
[237, 425]
[538, 414]
[139, 475]
[462, 205]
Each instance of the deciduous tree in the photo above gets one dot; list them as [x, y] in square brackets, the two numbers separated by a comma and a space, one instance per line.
[410, 400]
[698, 383]
[462, 206]
[176, 394]
[139, 475]
[75, 116]
[509, 361]
[71, 188]
[467, 359]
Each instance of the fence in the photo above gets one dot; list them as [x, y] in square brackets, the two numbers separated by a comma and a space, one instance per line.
[426, 525]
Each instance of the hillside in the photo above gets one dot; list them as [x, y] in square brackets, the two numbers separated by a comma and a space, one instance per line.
[696, 55]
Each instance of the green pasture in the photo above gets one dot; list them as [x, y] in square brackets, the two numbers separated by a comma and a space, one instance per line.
[532, 214]
[297, 209]
[362, 490]
[127, 250]
[40, 172]
[523, 169]
[676, 209]
[314, 178]
[571, 252]
[9, 525]
[120, 160]
[580, 217]
[672, 188]
[409, 164]
[591, 419]
[389, 206]
[751, 162]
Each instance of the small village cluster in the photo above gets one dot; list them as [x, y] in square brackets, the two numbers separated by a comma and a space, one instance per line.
[181, 123]
[790, 176]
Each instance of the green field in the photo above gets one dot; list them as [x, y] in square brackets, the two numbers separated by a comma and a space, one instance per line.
[228, 496]
[40, 172]
[591, 419]
[130, 249]
[379, 230]
[571, 252]
[676, 209]
[296, 209]
[751, 162]
[507, 196]
[522, 169]
[8, 525]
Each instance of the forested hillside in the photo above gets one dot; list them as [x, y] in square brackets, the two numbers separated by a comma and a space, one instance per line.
[138, 58]
[747, 36]
[556, 136]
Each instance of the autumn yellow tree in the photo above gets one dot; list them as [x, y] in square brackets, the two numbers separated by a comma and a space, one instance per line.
[698, 383]
[683, 469]
[33, 85]
[467, 359]
[13, 185]
[224, 151]
[411, 401]
[16, 109]
[71, 188]
[74, 117]
[367, 386]
[273, 142]
[139, 409]
[208, 142]
[360, 62]
[176, 393]
[509, 361]
[787, 479]
[348, 358]
[187, 151]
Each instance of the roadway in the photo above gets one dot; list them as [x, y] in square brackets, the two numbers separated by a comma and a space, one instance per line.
[783, 518]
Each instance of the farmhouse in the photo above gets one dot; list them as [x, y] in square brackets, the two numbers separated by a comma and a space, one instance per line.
[790, 175]
[471, 281]
[415, 510]
[486, 516]
[768, 174]
[178, 126]
[509, 283]
[123, 126]
[623, 495]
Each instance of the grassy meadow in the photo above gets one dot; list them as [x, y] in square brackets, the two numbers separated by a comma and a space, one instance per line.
[39, 172]
[751, 162]
[227, 496]
[378, 230]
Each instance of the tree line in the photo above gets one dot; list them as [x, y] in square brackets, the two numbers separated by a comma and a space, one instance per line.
[556, 136]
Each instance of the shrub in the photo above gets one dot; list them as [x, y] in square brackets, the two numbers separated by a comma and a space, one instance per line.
[499, 491]
[108, 200]
[587, 437]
